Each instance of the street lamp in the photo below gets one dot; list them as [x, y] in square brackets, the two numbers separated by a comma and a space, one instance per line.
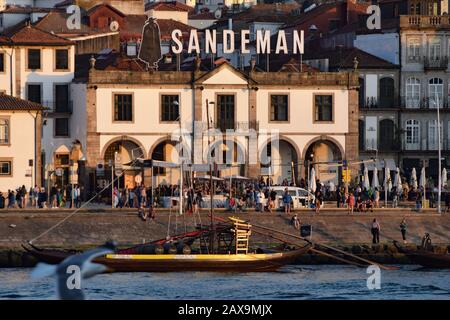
[436, 102]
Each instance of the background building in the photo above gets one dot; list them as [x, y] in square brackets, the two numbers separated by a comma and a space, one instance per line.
[20, 143]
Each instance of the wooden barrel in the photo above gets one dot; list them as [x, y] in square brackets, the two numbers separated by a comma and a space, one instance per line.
[159, 249]
[186, 249]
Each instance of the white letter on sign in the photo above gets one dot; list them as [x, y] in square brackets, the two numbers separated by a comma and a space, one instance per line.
[245, 41]
[228, 41]
[193, 42]
[211, 41]
[262, 43]
[299, 46]
[179, 46]
[281, 43]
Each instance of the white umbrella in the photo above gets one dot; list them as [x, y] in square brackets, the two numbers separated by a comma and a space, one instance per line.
[423, 179]
[398, 180]
[375, 182]
[387, 180]
[366, 178]
[414, 178]
[444, 177]
[312, 181]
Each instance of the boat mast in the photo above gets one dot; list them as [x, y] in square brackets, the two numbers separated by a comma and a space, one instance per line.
[211, 191]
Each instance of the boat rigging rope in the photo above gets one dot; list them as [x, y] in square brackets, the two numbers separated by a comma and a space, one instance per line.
[81, 207]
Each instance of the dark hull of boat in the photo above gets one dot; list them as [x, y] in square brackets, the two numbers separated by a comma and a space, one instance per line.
[180, 263]
[425, 258]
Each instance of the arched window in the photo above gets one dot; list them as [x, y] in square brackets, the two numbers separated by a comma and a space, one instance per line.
[412, 134]
[435, 92]
[4, 131]
[387, 135]
[362, 93]
[412, 93]
[386, 93]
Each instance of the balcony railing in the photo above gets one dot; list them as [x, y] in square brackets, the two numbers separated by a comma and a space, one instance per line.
[392, 145]
[58, 106]
[420, 21]
[436, 63]
[423, 103]
[374, 102]
[427, 144]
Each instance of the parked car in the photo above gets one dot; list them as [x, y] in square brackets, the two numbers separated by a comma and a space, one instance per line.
[301, 198]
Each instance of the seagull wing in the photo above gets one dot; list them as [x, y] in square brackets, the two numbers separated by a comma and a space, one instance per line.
[43, 270]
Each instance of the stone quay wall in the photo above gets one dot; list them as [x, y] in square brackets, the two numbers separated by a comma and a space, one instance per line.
[333, 227]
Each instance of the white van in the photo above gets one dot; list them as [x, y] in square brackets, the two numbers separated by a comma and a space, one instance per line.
[301, 198]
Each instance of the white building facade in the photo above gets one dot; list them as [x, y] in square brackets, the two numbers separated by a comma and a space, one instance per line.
[260, 123]
[39, 66]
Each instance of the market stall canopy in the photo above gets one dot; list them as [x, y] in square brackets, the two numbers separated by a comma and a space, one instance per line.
[236, 177]
[207, 177]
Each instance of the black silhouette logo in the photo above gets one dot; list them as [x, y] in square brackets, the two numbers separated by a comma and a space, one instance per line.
[150, 50]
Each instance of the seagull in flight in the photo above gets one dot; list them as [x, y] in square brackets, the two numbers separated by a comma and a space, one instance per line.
[70, 272]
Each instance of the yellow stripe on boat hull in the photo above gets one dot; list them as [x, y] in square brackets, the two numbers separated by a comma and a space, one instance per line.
[218, 257]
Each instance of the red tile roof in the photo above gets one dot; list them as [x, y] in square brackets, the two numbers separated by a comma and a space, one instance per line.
[8, 102]
[134, 23]
[56, 22]
[22, 10]
[343, 59]
[202, 16]
[27, 34]
[166, 26]
[168, 6]
[104, 5]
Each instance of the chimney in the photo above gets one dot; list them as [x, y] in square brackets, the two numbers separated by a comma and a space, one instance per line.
[92, 62]
[252, 64]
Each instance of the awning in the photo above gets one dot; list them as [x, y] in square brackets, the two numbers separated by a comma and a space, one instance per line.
[390, 163]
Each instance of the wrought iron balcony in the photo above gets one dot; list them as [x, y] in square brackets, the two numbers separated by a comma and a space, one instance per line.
[435, 63]
[384, 102]
[62, 106]
[426, 144]
[425, 103]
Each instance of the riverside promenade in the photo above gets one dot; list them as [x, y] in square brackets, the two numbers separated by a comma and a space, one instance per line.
[94, 226]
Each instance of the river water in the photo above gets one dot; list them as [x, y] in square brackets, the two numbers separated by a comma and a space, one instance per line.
[290, 282]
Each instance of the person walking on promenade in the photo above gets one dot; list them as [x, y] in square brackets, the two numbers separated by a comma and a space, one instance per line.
[403, 227]
[319, 201]
[2, 201]
[36, 194]
[11, 199]
[394, 197]
[375, 231]
[287, 201]
[24, 193]
[295, 222]
[338, 198]
[447, 201]
[377, 198]
[350, 202]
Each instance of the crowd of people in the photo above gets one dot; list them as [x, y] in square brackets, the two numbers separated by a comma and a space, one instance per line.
[239, 196]
[38, 197]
